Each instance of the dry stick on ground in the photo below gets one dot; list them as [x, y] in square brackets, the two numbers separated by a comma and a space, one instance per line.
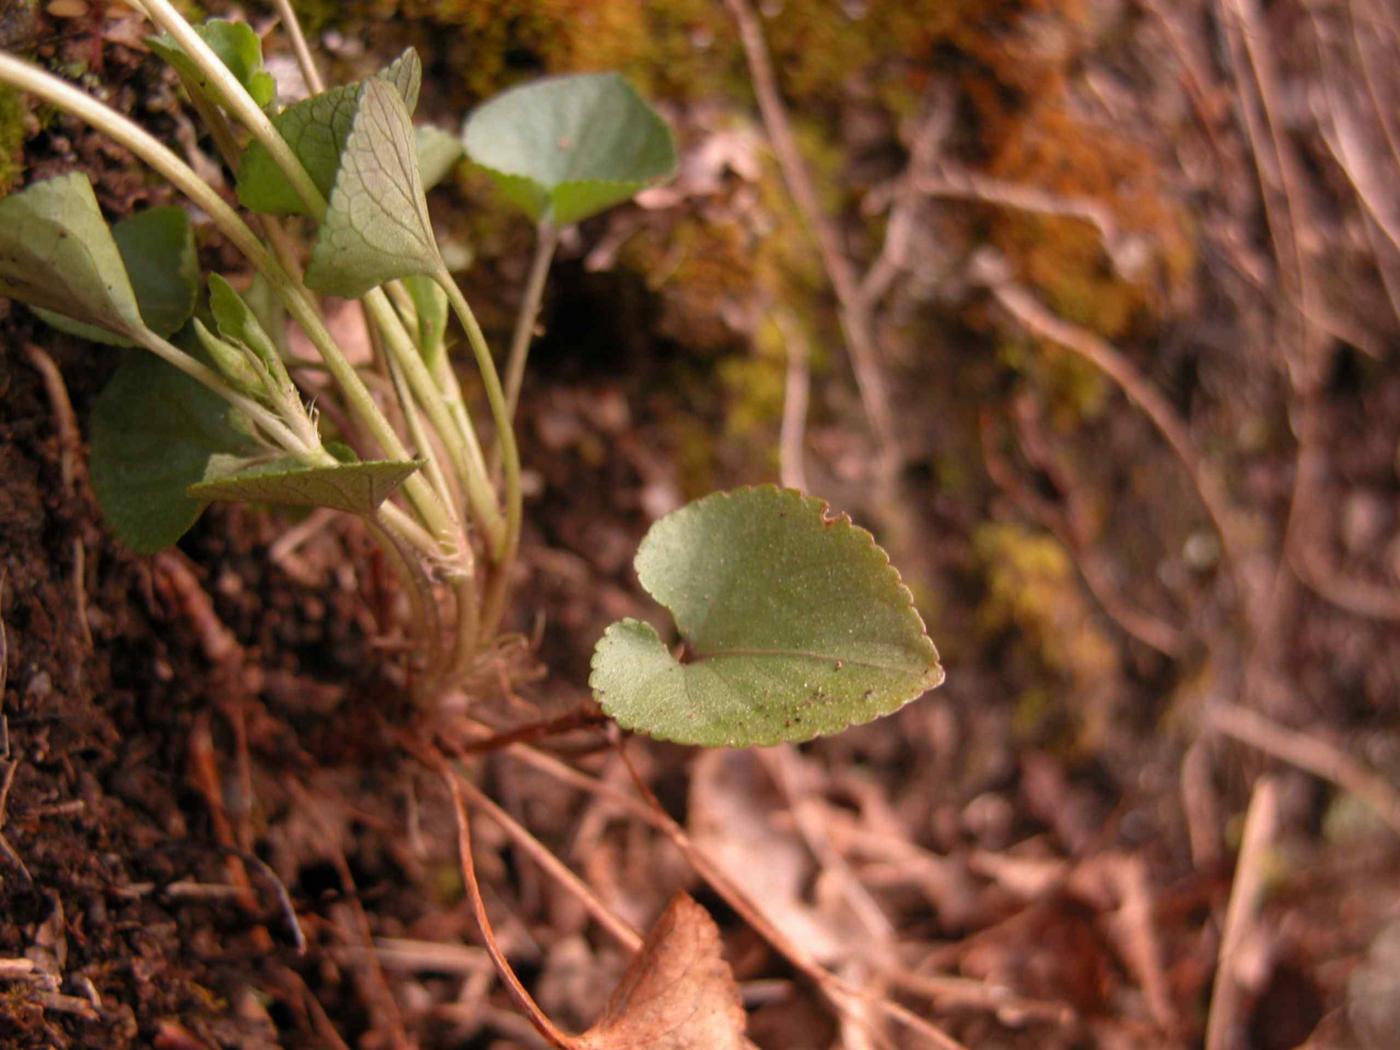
[1139, 390]
[1066, 525]
[834, 988]
[853, 310]
[652, 814]
[1260, 827]
[554, 1035]
[1308, 753]
[620, 930]
[70, 444]
[792, 470]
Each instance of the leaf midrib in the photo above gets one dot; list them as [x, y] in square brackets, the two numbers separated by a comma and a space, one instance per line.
[805, 654]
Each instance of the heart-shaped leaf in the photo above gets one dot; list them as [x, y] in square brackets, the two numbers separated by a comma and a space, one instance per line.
[316, 128]
[236, 44]
[155, 432]
[794, 621]
[157, 248]
[56, 253]
[358, 488]
[565, 148]
[376, 226]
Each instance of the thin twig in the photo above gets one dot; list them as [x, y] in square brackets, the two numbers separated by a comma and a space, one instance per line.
[1260, 825]
[546, 240]
[1138, 389]
[792, 470]
[853, 310]
[834, 988]
[1308, 753]
[620, 930]
[547, 1028]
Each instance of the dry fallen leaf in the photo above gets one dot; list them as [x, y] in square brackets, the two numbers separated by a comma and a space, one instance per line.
[678, 993]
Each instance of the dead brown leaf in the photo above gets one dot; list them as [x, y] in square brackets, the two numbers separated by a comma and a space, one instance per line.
[678, 993]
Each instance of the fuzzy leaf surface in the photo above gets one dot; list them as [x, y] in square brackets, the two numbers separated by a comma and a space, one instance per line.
[795, 621]
[238, 47]
[155, 432]
[316, 128]
[565, 148]
[677, 994]
[358, 488]
[376, 226]
[57, 254]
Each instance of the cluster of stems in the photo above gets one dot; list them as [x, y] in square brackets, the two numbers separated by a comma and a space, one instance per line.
[453, 537]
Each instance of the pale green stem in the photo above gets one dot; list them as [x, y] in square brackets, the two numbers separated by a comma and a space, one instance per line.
[465, 644]
[425, 622]
[59, 93]
[292, 28]
[546, 240]
[227, 89]
[304, 446]
[504, 551]
[402, 348]
[498, 584]
[414, 422]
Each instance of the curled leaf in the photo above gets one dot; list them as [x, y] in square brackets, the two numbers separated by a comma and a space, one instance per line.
[238, 47]
[376, 226]
[795, 624]
[56, 253]
[678, 993]
[316, 129]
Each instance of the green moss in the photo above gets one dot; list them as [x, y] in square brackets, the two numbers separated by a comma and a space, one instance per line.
[11, 139]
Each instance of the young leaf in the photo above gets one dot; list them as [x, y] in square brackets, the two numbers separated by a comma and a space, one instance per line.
[57, 253]
[566, 148]
[376, 226]
[677, 994]
[236, 44]
[438, 153]
[430, 304]
[316, 128]
[237, 322]
[406, 74]
[358, 488]
[157, 248]
[796, 623]
[155, 432]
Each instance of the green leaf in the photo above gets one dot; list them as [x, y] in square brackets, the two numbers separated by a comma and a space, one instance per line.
[376, 227]
[566, 148]
[406, 74]
[795, 621]
[316, 128]
[157, 248]
[57, 254]
[358, 488]
[237, 322]
[155, 432]
[430, 303]
[438, 153]
[239, 48]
